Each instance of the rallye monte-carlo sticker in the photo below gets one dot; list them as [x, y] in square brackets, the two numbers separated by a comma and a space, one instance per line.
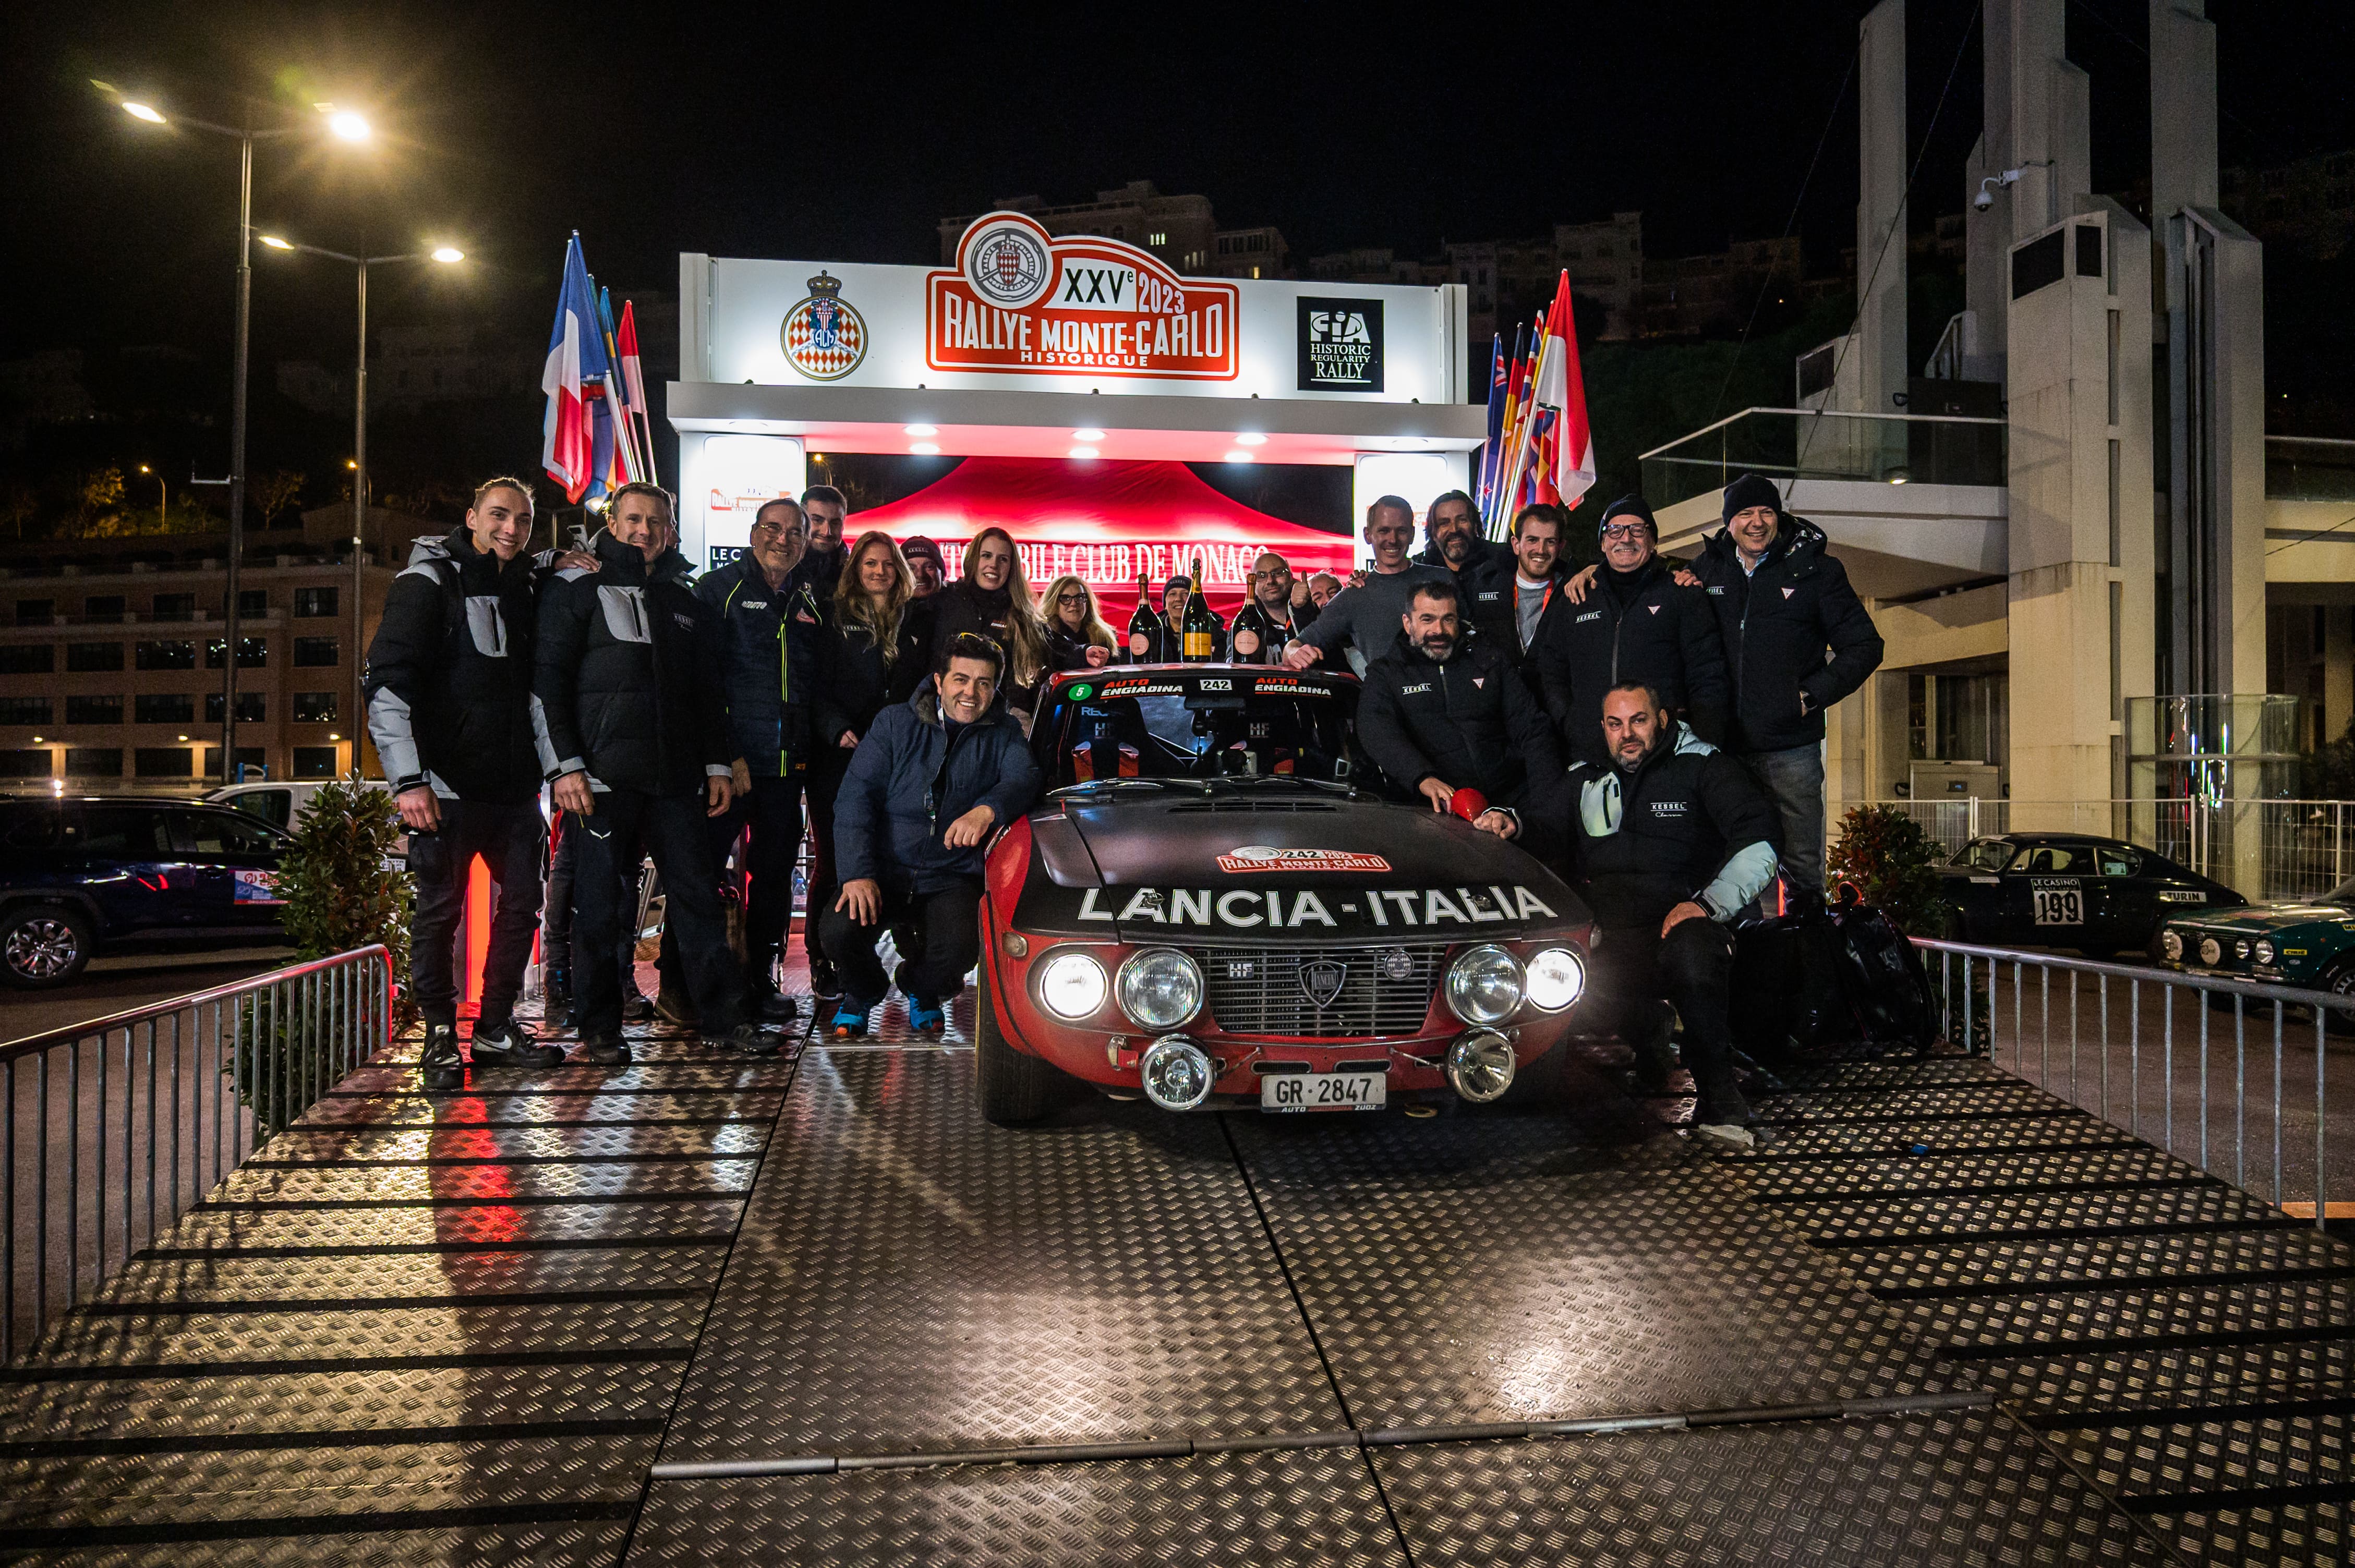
[1266, 857]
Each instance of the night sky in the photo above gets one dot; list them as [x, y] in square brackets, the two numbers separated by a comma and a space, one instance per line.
[845, 131]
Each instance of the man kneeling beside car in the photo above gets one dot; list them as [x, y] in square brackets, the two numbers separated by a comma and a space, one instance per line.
[1667, 845]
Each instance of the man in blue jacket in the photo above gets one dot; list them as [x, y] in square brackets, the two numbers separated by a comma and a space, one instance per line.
[931, 780]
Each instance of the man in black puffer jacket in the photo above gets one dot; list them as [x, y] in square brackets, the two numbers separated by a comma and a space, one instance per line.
[1638, 624]
[639, 750]
[1798, 640]
[1438, 714]
[450, 709]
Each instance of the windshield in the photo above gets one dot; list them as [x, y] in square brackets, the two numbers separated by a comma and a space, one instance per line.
[2342, 893]
[1984, 855]
[1215, 727]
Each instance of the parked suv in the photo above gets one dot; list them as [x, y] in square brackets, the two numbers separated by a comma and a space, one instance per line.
[78, 876]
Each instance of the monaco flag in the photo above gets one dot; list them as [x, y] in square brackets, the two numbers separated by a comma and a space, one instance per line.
[1561, 457]
[576, 362]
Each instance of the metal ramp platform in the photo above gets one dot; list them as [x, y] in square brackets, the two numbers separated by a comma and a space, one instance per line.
[1944, 1318]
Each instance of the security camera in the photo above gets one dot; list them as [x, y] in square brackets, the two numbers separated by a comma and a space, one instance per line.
[1986, 198]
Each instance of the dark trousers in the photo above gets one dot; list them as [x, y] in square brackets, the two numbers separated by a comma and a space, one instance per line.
[508, 838]
[556, 927]
[947, 932]
[826, 775]
[674, 830]
[1691, 969]
[774, 812]
[1793, 780]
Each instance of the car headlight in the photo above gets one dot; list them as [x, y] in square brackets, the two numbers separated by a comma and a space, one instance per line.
[1071, 985]
[2171, 945]
[2211, 951]
[2265, 951]
[1160, 989]
[1484, 985]
[1555, 977]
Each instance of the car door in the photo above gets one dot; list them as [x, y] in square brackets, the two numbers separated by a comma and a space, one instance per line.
[238, 856]
[121, 855]
[2046, 884]
[2124, 909]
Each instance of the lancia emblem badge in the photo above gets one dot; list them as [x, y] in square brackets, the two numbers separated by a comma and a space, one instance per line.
[1320, 981]
[824, 338]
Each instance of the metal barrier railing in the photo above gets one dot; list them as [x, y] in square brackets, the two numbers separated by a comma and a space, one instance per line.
[114, 1129]
[2108, 1012]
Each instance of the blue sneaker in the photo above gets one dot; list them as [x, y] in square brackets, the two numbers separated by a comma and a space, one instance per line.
[927, 1017]
[849, 1019]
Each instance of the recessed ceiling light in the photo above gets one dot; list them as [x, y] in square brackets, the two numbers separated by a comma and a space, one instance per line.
[1087, 435]
[1251, 439]
[925, 449]
[1083, 451]
[1240, 456]
[924, 430]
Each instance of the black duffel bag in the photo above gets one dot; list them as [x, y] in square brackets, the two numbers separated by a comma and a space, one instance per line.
[1846, 976]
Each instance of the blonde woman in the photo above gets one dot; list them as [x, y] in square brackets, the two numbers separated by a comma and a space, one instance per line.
[871, 657]
[1077, 637]
[994, 600]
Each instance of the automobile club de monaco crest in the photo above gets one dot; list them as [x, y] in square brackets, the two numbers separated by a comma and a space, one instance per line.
[1008, 264]
[824, 338]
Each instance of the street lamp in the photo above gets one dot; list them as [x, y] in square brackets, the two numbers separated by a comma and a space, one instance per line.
[446, 255]
[346, 125]
[162, 501]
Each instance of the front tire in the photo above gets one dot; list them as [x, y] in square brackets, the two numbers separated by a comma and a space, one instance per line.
[2340, 981]
[43, 945]
[1011, 1087]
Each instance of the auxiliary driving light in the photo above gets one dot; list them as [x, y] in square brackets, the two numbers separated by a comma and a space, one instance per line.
[1555, 979]
[1177, 1075]
[2265, 951]
[1480, 1065]
[1484, 985]
[1071, 985]
[1160, 989]
[2211, 951]
[2170, 945]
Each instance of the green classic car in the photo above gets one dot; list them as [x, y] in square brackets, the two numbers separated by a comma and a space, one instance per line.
[2308, 944]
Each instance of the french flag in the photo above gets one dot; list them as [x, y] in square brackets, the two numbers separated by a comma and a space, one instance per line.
[576, 363]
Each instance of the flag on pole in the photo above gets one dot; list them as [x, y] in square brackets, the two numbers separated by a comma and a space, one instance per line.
[1561, 446]
[617, 396]
[576, 363]
[1499, 372]
[633, 380]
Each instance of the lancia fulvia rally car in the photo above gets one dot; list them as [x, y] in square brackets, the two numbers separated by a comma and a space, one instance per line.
[2307, 945]
[1217, 904]
[2101, 897]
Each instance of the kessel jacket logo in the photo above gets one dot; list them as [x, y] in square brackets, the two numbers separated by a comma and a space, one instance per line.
[1789, 592]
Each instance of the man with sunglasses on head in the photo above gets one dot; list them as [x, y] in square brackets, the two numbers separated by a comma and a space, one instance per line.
[636, 745]
[1638, 625]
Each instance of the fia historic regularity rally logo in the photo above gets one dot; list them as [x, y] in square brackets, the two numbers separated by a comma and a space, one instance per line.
[1340, 346]
[824, 338]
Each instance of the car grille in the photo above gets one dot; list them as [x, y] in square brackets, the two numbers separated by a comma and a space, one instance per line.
[1386, 990]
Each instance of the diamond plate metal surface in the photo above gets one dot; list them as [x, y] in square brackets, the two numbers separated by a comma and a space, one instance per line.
[563, 1543]
[487, 1183]
[1980, 1099]
[194, 1339]
[336, 1401]
[2119, 1164]
[2021, 1265]
[2079, 1323]
[2027, 1213]
[193, 1283]
[2268, 1533]
[911, 1276]
[400, 1146]
[1314, 1506]
[1484, 1268]
[1922, 1492]
[1831, 1140]
[232, 1230]
[710, 1073]
[468, 1108]
[2143, 1464]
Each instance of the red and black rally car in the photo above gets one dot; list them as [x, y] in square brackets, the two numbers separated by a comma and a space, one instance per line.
[1214, 904]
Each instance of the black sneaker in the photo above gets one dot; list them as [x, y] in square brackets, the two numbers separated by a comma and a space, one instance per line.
[746, 1040]
[603, 1051]
[672, 1007]
[439, 1065]
[825, 980]
[509, 1046]
[636, 1009]
[777, 1007]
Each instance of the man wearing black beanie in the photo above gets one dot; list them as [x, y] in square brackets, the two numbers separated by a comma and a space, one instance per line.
[1638, 624]
[1798, 640]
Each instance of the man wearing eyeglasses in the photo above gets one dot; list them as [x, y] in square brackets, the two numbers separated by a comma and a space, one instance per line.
[768, 618]
[1639, 625]
[1267, 621]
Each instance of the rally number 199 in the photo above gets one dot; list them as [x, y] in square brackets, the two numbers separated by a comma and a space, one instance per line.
[2060, 906]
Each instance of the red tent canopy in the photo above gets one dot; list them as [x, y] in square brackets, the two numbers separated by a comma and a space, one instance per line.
[1105, 522]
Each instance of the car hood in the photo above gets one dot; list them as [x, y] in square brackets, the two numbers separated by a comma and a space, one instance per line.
[1285, 867]
[2271, 918]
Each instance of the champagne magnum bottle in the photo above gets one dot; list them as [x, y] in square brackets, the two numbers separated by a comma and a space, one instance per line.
[1143, 627]
[1198, 640]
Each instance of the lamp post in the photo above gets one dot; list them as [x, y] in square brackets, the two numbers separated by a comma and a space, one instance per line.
[163, 500]
[345, 125]
[446, 255]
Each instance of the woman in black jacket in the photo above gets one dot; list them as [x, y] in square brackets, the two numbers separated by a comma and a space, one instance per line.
[1077, 637]
[872, 658]
[994, 600]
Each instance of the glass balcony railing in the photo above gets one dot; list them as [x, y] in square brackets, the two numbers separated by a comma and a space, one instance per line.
[2310, 468]
[1793, 444]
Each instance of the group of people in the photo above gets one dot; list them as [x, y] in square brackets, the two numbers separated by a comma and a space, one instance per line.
[1654, 728]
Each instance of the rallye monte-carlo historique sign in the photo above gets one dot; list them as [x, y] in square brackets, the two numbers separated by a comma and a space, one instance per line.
[1020, 299]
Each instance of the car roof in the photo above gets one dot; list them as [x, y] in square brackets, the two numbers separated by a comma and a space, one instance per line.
[1313, 675]
[37, 796]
